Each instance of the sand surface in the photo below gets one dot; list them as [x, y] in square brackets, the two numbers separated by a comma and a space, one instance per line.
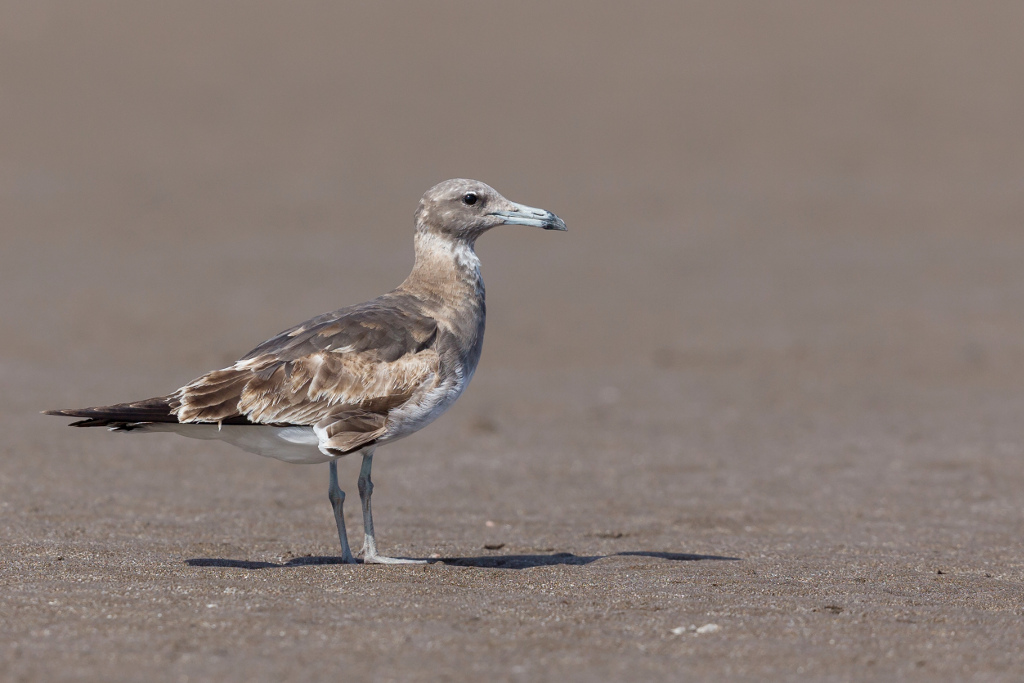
[771, 380]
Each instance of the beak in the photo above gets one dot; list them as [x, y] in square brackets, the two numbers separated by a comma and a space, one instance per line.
[517, 214]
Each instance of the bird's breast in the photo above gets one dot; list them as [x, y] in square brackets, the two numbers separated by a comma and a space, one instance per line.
[427, 403]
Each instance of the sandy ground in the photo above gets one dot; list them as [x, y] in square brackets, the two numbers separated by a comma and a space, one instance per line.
[771, 380]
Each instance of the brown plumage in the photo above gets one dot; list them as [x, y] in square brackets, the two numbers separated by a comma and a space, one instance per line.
[345, 368]
[357, 377]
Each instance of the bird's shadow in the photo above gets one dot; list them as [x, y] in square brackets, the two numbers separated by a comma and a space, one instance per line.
[484, 561]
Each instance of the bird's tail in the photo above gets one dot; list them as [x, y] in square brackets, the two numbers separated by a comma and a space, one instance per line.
[121, 416]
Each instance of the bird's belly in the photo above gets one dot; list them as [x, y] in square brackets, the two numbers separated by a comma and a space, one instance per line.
[423, 408]
[296, 445]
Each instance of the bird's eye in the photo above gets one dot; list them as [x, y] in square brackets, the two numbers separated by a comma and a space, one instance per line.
[469, 198]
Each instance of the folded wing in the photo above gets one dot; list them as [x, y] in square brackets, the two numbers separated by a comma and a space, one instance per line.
[340, 373]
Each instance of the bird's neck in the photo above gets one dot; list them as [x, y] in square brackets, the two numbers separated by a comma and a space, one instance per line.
[446, 272]
[446, 284]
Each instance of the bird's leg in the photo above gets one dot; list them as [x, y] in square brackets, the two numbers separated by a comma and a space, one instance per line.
[370, 555]
[337, 497]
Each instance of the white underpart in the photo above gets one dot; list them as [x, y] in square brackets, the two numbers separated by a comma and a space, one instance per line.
[296, 445]
[423, 407]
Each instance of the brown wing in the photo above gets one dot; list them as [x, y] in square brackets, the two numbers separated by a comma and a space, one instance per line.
[341, 372]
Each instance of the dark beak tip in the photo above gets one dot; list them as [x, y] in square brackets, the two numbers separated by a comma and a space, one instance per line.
[556, 223]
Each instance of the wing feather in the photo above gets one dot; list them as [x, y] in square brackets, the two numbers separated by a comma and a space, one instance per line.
[347, 369]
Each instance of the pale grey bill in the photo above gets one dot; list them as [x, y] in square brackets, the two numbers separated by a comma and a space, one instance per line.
[528, 215]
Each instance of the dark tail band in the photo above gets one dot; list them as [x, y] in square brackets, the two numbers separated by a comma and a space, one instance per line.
[150, 410]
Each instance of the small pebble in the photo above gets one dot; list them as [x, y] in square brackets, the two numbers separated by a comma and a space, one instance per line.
[709, 628]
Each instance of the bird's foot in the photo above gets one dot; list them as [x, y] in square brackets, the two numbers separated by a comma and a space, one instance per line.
[381, 559]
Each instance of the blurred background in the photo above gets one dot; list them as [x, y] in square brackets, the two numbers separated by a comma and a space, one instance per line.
[783, 175]
[788, 309]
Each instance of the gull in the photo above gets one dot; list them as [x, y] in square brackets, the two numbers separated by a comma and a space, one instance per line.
[356, 378]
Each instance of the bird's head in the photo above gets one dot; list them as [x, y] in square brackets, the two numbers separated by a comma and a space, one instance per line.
[464, 209]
